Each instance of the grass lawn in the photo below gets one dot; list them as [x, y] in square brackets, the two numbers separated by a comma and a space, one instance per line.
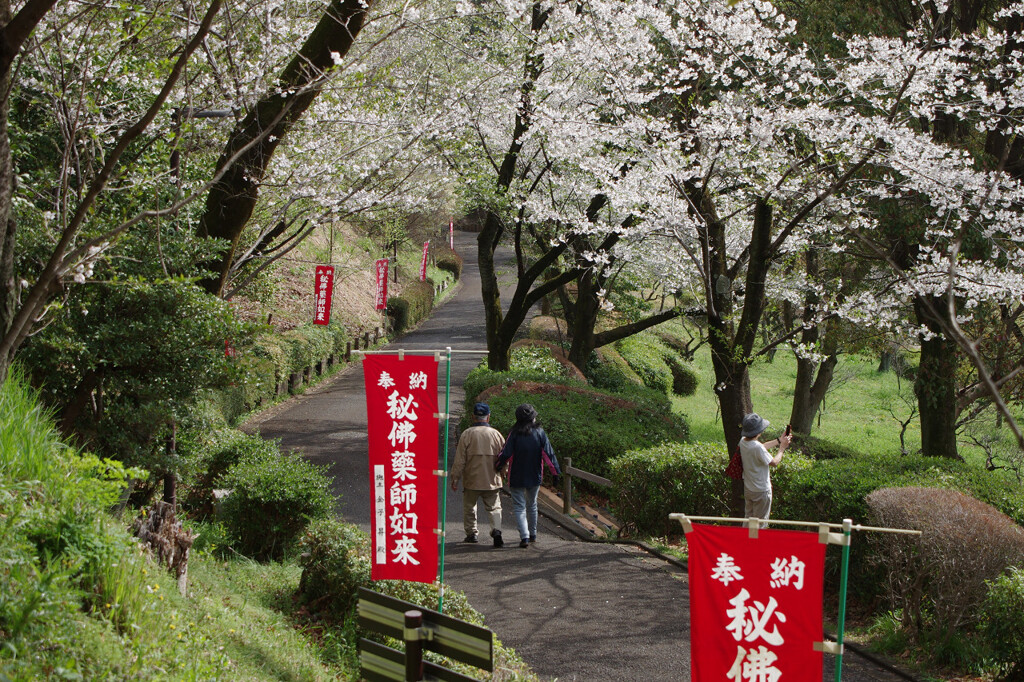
[856, 410]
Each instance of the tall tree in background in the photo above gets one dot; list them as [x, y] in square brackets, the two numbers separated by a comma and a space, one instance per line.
[251, 145]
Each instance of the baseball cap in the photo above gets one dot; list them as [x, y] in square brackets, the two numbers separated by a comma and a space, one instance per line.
[481, 409]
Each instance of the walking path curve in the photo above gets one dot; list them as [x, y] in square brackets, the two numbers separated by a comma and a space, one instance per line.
[573, 610]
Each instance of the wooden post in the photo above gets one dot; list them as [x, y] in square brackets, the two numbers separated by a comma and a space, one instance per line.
[366, 339]
[567, 487]
[413, 646]
[348, 351]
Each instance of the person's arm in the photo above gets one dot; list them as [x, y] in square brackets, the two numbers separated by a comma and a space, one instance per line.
[459, 464]
[783, 442]
[504, 455]
[551, 455]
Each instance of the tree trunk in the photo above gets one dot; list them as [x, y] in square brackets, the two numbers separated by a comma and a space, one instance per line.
[252, 144]
[935, 386]
[8, 282]
[809, 390]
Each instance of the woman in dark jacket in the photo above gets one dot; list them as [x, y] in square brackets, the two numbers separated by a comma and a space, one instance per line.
[527, 451]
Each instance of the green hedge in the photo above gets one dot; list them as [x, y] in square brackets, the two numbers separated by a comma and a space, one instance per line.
[608, 370]
[271, 359]
[1002, 626]
[652, 483]
[273, 497]
[448, 260]
[834, 489]
[589, 425]
[684, 378]
[646, 356]
[412, 305]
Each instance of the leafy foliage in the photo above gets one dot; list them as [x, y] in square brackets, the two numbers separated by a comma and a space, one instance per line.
[645, 355]
[273, 497]
[1001, 624]
[652, 483]
[590, 426]
[147, 348]
[448, 260]
[412, 305]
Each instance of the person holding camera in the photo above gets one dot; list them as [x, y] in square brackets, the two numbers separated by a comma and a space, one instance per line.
[757, 463]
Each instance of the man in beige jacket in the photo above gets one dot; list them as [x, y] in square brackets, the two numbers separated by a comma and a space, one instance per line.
[478, 448]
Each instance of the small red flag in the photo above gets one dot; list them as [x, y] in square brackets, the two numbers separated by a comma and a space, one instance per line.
[323, 294]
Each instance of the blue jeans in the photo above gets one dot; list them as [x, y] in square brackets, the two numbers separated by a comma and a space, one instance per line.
[524, 510]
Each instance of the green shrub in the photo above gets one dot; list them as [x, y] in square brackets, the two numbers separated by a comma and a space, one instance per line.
[684, 379]
[820, 449]
[306, 346]
[273, 497]
[531, 358]
[412, 305]
[481, 378]
[207, 459]
[937, 580]
[1002, 626]
[274, 348]
[650, 484]
[335, 560]
[448, 260]
[646, 356]
[607, 369]
[588, 425]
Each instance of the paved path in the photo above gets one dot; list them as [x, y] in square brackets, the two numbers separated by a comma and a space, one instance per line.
[574, 610]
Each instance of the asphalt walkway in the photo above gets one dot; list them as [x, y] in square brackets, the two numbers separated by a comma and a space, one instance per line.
[574, 610]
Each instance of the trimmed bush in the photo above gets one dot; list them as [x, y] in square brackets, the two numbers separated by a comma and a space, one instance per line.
[1002, 624]
[207, 460]
[307, 345]
[448, 260]
[335, 560]
[273, 497]
[938, 580]
[548, 328]
[677, 477]
[412, 305]
[588, 425]
[820, 449]
[608, 370]
[537, 355]
[684, 379]
[646, 356]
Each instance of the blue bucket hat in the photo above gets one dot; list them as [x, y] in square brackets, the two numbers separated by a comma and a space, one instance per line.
[753, 425]
[481, 409]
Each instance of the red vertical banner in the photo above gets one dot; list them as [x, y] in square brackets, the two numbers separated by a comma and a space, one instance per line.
[402, 422]
[423, 264]
[382, 284]
[323, 294]
[755, 604]
[451, 235]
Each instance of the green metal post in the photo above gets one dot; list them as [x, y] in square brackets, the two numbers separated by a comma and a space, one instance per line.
[841, 624]
[444, 480]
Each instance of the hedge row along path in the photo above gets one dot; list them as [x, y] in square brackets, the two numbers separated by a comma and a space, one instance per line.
[574, 610]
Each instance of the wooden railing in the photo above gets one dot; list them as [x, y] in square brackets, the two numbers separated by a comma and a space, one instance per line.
[568, 471]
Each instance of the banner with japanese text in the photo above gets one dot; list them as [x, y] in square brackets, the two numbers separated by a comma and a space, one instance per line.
[382, 284]
[755, 604]
[451, 235]
[402, 423]
[423, 265]
[323, 290]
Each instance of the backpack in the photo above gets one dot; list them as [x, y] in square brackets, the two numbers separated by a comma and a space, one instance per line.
[735, 468]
